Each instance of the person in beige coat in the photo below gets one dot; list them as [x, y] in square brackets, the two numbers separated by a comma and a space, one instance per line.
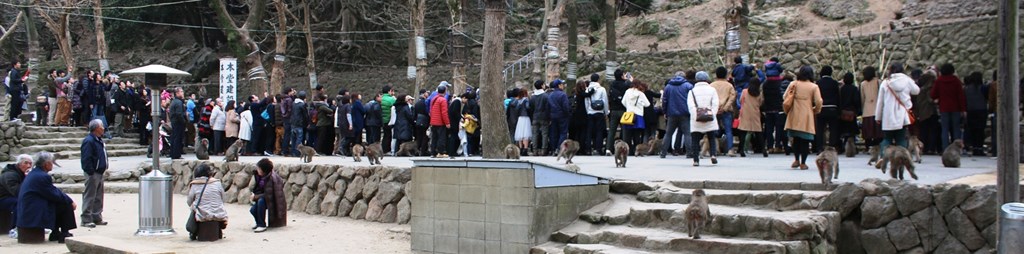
[870, 130]
[726, 106]
[801, 102]
[206, 198]
[231, 126]
[703, 97]
[750, 119]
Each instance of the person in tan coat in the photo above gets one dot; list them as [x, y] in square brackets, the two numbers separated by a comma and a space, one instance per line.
[231, 126]
[750, 119]
[870, 130]
[726, 106]
[801, 103]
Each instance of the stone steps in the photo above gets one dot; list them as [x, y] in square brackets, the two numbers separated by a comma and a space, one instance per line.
[139, 150]
[72, 141]
[624, 239]
[75, 147]
[780, 200]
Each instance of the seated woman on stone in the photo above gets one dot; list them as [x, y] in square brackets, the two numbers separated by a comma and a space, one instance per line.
[206, 198]
[268, 194]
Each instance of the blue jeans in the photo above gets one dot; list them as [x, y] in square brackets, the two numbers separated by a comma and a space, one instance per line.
[950, 127]
[297, 135]
[897, 137]
[97, 113]
[8, 205]
[259, 212]
[559, 132]
[725, 121]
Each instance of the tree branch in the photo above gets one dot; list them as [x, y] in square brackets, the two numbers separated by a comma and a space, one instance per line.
[6, 31]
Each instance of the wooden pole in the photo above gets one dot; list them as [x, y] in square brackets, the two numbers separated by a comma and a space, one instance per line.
[1008, 180]
[492, 89]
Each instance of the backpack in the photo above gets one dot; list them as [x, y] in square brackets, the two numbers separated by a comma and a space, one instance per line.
[7, 80]
[773, 69]
[742, 73]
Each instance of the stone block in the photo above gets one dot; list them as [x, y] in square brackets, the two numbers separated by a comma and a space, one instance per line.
[963, 229]
[403, 211]
[877, 211]
[493, 247]
[849, 238]
[518, 215]
[911, 198]
[903, 234]
[371, 187]
[374, 209]
[516, 178]
[355, 189]
[952, 246]
[422, 225]
[843, 199]
[474, 176]
[344, 208]
[630, 187]
[446, 210]
[946, 197]
[515, 234]
[421, 191]
[492, 231]
[447, 175]
[446, 244]
[359, 210]
[981, 207]
[877, 241]
[931, 228]
[471, 194]
[726, 185]
[446, 192]
[517, 196]
[472, 230]
[444, 227]
[472, 212]
[472, 246]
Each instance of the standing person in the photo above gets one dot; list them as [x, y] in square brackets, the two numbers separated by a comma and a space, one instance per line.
[324, 125]
[634, 100]
[245, 129]
[63, 114]
[53, 94]
[298, 121]
[750, 119]
[285, 107]
[976, 94]
[268, 197]
[342, 124]
[205, 129]
[404, 119]
[357, 118]
[274, 147]
[849, 108]
[206, 199]
[231, 125]
[828, 118]
[374, 122]
[801, 103]
[192, 117]
[741, 74]
[387, 99]
[17, 89]
[472, 109]
[927, 126]
[541, 113]
[558, 106]
[578, 123]
[652, 114]
[42, 205]
[871, 131]
[511, 115]
[596, 105]
[455, 117]
[677, 113]
[727, 96]
[523, 125]
[422, 123]
[121, 108]
[615, 95]
[893, 103]
[949, 94]
[10, 184]
[219, 121]
[178, 123]
[439, 123]
[703, 98]
[94, 163]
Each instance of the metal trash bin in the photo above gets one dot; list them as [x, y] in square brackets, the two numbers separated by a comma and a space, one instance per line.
[1011, 228]
[155, 204]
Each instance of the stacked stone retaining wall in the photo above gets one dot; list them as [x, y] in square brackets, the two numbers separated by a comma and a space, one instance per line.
[11, 133]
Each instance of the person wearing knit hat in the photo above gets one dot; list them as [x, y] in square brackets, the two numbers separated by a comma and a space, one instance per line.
[703, 102]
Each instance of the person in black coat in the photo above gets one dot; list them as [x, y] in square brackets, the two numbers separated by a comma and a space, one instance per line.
[454, 117]
[178, 121]
[17, 89]
[829, 116]
[849, 101]
[422, 122]
[578, 122]
[42, 205]
[10, 184]
[404, 120]
[472, 107]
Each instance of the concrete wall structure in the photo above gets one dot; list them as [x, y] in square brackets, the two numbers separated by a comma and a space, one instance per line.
[494, 206]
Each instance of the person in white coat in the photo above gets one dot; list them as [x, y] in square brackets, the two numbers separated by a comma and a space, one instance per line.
[218, 121]
[635, 101]
[703, 100]
[245, 126]
[893, 104]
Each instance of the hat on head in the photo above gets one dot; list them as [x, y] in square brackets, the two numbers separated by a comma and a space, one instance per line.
[703, 76]
[443, 83]
[556, 83]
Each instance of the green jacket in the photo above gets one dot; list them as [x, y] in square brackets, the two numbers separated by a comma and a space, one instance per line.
[386, 101]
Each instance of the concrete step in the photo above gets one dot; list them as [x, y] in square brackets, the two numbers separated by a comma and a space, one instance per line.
[598, 249]
[72, 141]
[140, 150]
[780, 200]
[548, 248]
[75, 147]
[95, 244]
[624, 239]
[108, 187]
[726, 220]
[36, 128]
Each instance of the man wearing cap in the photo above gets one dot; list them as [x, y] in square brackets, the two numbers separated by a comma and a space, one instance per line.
[42, 205]
[94, 163]
[560, 112]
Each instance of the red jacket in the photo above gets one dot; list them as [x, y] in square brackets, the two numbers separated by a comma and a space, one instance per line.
[949, 90]
[439, 111]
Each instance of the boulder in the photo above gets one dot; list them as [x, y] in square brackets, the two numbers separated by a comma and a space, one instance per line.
[963, 229]
[118, 175]
[389, 192]
[370, 188]
[389, 215]
[329, 206]
[877, 211]
[300, 201]
[981, 207]
[355, 189]
[344, 207]
[313, 207]
[241, 179]
[297, 178]
[877, 241]
[843, 199]
[951, 246]
[931, 228]
[911, 198]
[990, 234]
[849, 237]
[347, 173]
[902, 234]
[340, 185]
[647, 196]
[374, 209]
[630, 187]
[244, 195]
[404, 210]
[231, 195]
[946, 197]
[359, 210]
[312, 179]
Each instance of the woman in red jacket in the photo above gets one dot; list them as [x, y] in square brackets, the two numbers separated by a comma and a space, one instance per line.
[439, 123]
[948, 93]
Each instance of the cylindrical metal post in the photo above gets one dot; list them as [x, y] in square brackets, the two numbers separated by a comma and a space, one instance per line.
[154, 123]
[155, 204]
[1011, 228]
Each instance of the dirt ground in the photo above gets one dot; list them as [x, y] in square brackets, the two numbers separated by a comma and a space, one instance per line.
[304, 233]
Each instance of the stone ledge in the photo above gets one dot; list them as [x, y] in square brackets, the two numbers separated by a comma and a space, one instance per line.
[105, 245]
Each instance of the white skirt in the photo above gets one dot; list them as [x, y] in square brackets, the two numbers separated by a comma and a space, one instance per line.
[523, 128]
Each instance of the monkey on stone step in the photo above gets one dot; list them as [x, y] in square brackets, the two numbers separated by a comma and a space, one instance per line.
[568, 150]
[951, 157]
[828, 165]
[896, 158]
[511, 152]
[305, 153]
[697, 213]
[851, 147]
[655, 145]
[641, 149]
[357, 150]
[621, 153]
[232, 153]
[915, 148]
[408, 149]
[201, 153]
[374, 153]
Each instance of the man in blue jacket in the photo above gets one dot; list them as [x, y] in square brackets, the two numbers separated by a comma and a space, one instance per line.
[673, 101]
[94, 163]
[42, 205]
[559, 110]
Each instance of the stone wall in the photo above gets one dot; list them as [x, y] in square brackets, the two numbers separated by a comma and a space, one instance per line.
[10, 138]
[895, 216]
[373, 193]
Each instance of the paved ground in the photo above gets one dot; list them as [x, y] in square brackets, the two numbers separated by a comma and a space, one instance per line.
[775, 168]
[304, 233]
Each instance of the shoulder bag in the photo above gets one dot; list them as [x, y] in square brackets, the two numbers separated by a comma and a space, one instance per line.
[703, 113]
[597, 105]
[628, 117]
[191, 224]
[910, 113]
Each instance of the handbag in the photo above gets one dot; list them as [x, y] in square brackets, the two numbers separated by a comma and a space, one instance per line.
[597, 105]
[703, 113]
[847, 115]
[629, 118]
[910, 114]
[191, 225]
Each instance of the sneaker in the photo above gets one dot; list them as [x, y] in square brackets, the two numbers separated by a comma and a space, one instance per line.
[101, 223]
[89, 225]
[714, 160]
[696, 163]
[795, 164]
[13, 234]
[732, 153]
[259, 229]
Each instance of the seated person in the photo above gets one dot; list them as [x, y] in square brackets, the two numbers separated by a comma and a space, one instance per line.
[10, 184]
[206, 198]
[268, 194]
[42, 205]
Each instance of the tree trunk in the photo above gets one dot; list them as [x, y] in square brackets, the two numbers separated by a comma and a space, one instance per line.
[421, 63]
[241, 43]
[32, 33]
[280, 47]
[58, 26]
[310, 52]
[101, 38]
[538, 54]
[492, 89]
[459, 58]
[553, 34]
[744, 10]
[10, 30]
[573, 36]
[610, 14]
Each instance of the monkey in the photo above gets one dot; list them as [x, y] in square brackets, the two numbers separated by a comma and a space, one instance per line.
[357, 150]
[306, 153]
[653, 47]
[951, 157]
[655, 145]
[408, 149]
[641, 149]
[573, 168]
[374, 153]
[828, 165]
[567, 150]
[697, 213]
[851, 147]
[897, 158]
[512, 152]
[232, 153]
[201, 153]
[873, 150]
[621, 152]
[915, 148]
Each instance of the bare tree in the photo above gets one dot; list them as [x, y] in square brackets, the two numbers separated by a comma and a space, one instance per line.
[56, 15]
[459, 59]
[418, 8]
[101, 38]
[5, 32]
[492, 89]
[310, 52]
[573, 37]
[554, 19]
[241, 41]
[280, 46]
[610, 14]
